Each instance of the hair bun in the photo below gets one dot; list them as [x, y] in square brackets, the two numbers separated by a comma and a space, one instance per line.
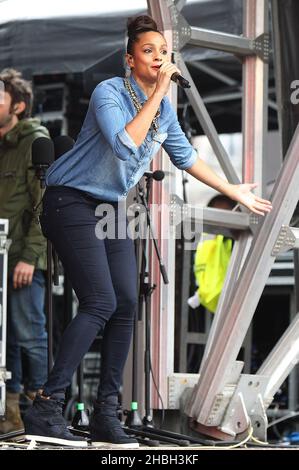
[140, 24]
[11, 74]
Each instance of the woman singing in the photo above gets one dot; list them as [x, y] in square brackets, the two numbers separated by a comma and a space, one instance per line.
[126, 123]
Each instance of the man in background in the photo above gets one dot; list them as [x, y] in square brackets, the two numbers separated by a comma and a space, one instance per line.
[19, 193]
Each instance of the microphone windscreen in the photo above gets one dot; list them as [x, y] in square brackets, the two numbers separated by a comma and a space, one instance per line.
[42, 151]
[179, 80]
[158, 175]
[62, 144]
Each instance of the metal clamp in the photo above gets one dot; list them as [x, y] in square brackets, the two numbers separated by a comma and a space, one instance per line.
[5, 243]
[178, 210]
[261, 46]
[181, 29]
[254, 222]
[285, 241]
[4, 375]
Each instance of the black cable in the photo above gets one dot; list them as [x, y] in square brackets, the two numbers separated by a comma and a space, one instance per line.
[159, 395]
[282, 419]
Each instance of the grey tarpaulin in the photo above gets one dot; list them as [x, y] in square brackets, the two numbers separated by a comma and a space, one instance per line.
[66, 44]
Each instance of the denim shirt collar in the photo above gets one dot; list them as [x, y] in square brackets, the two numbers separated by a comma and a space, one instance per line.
[140, 93]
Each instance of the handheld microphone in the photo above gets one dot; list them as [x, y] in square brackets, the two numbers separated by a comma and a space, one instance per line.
[62, 144]
[179, 80]
[157, 175]
[42, 153]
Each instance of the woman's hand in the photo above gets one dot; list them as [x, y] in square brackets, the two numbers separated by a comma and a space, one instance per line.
[164, 77]
[238, 192]
[242, 193]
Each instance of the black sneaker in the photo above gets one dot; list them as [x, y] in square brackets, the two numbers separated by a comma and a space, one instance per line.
[44, 423]
[106, 427]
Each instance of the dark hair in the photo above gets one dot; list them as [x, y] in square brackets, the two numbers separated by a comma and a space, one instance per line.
[19, 90]
[138, 25]
[221, 198]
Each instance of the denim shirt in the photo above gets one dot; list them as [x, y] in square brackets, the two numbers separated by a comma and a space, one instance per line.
[105, 162]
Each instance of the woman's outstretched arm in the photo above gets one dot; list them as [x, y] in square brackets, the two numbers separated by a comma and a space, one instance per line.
[241, 193]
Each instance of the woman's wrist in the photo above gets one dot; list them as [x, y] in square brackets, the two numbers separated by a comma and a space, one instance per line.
[158, 95]
[227, 189]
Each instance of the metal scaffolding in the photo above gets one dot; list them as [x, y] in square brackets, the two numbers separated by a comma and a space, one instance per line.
[226, 403]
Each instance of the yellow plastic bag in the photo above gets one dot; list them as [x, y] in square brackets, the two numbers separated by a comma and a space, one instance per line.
[210, 266]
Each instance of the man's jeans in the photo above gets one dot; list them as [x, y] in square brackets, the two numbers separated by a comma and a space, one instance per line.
[26, 335]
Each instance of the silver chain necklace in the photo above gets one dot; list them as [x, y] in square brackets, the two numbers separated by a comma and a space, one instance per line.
[138, 105]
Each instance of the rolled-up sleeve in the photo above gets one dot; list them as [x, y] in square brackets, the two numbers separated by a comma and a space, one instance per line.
[179, 149]
[110, 118]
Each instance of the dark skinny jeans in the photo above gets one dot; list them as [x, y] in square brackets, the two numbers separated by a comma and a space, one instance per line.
[104, 278]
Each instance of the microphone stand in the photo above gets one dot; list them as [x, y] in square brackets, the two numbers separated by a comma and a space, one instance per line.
[52, 259]
[49, 305]
[133, 418]
[146, 290]
[134, 425]
[186, 126]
